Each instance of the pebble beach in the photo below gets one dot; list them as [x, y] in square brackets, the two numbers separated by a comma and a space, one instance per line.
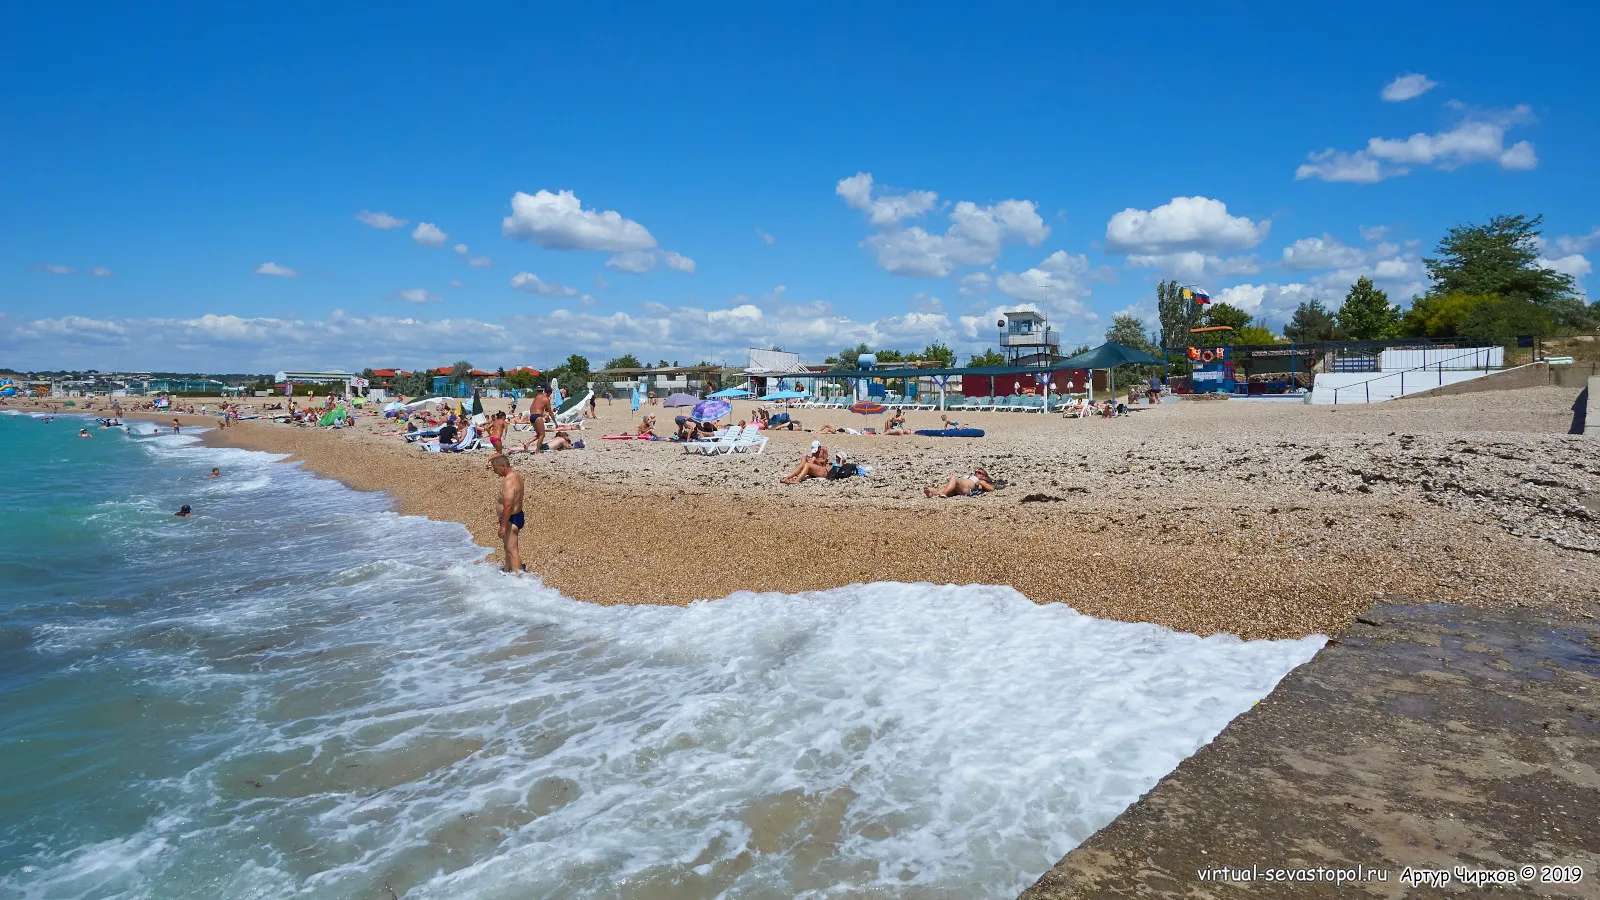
[1260, 519]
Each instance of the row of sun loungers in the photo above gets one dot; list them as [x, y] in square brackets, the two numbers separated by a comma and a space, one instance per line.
[732, 439]
[1017, 403]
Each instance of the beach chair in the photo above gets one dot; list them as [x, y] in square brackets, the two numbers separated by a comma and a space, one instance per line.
[721, 443]
[752, 437]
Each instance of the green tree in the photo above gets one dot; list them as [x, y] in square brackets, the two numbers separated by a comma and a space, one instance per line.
[1497, 258]
[1225, 314]
[520, 379]
[625, 361]
[988, 357]
[1503, 319]
[1174, 313]
[847, 357]
[1488, 316]
[1256, 333]
[890, 356]
[1311, 322]
[939, 353]
[460, 373]
[577, 364]
[1128, 331]
[1367, 313]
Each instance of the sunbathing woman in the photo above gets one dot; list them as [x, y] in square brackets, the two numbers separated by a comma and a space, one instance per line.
[896, 424]
[812, 465]
[972, 485]
[647, 428]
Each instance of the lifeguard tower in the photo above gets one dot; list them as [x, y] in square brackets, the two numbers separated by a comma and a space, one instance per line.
[1026, 339]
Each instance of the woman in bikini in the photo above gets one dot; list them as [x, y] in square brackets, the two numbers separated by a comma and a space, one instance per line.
[896, 424]
[812, 465]
[972, 485]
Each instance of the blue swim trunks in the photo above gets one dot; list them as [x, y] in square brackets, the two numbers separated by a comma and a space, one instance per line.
[516, 520]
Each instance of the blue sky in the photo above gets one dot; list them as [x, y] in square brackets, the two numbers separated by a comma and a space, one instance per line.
[705, 172]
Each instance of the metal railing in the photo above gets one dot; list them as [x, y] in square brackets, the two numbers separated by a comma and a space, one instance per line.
[1042, 337]
[1439, 366]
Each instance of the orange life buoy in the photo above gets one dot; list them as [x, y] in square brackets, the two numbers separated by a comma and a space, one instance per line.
[1207, 356]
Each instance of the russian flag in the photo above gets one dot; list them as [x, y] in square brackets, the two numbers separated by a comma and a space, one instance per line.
[1200, 296]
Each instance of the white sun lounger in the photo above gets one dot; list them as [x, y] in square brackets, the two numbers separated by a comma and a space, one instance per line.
[752, 437]
[721, 444]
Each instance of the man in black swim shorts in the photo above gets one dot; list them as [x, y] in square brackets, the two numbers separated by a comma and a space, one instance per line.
[511, 517]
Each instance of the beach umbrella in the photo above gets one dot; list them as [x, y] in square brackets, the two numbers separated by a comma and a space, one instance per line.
[681, 399]
[636, 397]
[477, 402]
[730, 393]
[868, 408]
[710, 410]
[785, 395]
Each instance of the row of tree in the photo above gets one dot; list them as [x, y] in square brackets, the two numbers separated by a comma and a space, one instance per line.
[1487, 283]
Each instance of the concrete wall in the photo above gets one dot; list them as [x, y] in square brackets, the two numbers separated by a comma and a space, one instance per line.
[1591, 413]
[1534, 375]
[1576, 375]
[1375, 387]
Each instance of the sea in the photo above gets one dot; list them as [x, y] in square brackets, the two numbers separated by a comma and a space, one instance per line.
[299, 692]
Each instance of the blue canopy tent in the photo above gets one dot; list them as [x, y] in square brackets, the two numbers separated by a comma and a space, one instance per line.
[729, 394]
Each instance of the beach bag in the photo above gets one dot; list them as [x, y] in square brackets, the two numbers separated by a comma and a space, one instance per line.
[844, 470]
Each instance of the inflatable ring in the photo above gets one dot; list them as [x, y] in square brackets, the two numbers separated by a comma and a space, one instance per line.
[1207, 356]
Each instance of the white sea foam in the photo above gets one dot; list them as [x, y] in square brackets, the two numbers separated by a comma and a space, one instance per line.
[381, 721]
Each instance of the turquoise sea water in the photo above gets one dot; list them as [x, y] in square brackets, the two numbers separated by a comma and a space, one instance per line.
[299, 692]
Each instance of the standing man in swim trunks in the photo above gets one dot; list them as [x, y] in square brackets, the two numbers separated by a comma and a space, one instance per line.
[511, 518]
[537, 410]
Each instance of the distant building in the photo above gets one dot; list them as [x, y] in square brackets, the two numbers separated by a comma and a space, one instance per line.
[205, 386]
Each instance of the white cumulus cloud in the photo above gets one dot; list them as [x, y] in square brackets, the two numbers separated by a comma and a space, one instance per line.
[559, 222]
[637, 262]
[1185, 223]
[1192, 265]
[381, 220]
[529, 283]
[1407, 87]
[1374, 232]
[1326, 252]
[272, 268]
[100, 272]
[417, 295]
[461, 249]
[976, 283]
[976, 234]
[886, 209]
[1574, 264]
[1478, 137]
[429, 235]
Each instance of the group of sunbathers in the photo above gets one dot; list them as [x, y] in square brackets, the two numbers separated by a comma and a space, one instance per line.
[1083, 409]
[818, 463]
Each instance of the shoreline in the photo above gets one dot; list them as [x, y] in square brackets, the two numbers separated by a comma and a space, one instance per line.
[643, 523]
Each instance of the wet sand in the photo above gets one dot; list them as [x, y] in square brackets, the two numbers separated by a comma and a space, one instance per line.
[1256, 518]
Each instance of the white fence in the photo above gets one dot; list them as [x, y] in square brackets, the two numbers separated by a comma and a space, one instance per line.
[1479, 358]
